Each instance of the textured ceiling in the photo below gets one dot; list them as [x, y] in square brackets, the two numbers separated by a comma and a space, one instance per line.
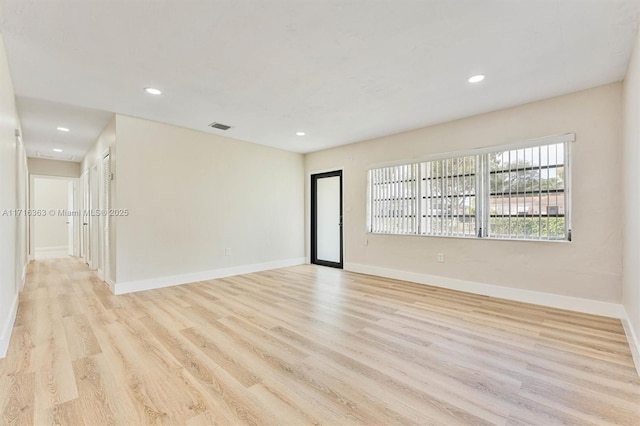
[342, 71]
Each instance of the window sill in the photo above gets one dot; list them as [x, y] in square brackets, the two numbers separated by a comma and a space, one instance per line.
[459, 237]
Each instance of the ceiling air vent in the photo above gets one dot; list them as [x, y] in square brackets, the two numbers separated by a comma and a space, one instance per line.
[62, 157]
[219, 126]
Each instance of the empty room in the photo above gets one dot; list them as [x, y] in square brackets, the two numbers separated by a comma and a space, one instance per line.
[319, 212]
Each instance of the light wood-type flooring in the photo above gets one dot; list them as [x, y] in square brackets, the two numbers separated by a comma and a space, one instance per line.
[305, 345]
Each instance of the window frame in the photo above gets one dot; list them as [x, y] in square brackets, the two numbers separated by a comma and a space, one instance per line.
[482, 190]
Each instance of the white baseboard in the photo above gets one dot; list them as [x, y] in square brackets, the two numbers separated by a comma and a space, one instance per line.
[7, 328]
[589, 306]
[112, 285]
[51, 252]
[160, 282]
[632, 337]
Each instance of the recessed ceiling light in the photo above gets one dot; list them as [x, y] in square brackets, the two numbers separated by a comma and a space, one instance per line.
[300, 133]
[57, 150]
[152, 91]
[63, 129]
[476, 78]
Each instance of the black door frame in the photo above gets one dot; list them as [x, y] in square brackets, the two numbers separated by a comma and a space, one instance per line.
[314, 220]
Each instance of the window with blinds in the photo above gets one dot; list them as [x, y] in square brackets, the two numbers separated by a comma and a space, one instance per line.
[394, 199]
[448, 201]
[516, 192]
[527, 197]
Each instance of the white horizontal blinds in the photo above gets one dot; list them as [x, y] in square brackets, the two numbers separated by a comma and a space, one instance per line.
[527, 193]
[393, 195]
[448, 189]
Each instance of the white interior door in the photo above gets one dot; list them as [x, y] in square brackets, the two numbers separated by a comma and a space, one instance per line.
[70, 218]
[326, 189]
[106, 205]
[94, 227]
[49, 232]
[84, 217]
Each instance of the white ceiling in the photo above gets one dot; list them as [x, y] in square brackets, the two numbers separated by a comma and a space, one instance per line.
[340, 70]
[40, 119]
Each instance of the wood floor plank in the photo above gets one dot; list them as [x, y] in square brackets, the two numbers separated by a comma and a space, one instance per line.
[17, 393]
[95, 401]
[80, 338]
[285, 408]
[70, 305]
[395, 383]
[305, 345]
[125, 380]
[208, 419]
[222, 357]
[159, 380]
[20, 355]
[54, 378]
[66, 413]
[230, 393]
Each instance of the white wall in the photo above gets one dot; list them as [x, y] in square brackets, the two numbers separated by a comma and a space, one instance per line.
[631, 178]
[106, 140]
[22, 230]
[44, 167]
[589, 267]
[192, 194]
[50, 232]
[12, 229]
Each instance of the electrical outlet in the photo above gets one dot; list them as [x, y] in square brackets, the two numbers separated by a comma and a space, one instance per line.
[440, 257]
[227, 252]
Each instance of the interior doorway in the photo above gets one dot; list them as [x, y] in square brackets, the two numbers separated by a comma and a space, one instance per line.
[96, 226]
[105, 199]
[326, 219]
[85, 218]
[53, 219]
[93, 220]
